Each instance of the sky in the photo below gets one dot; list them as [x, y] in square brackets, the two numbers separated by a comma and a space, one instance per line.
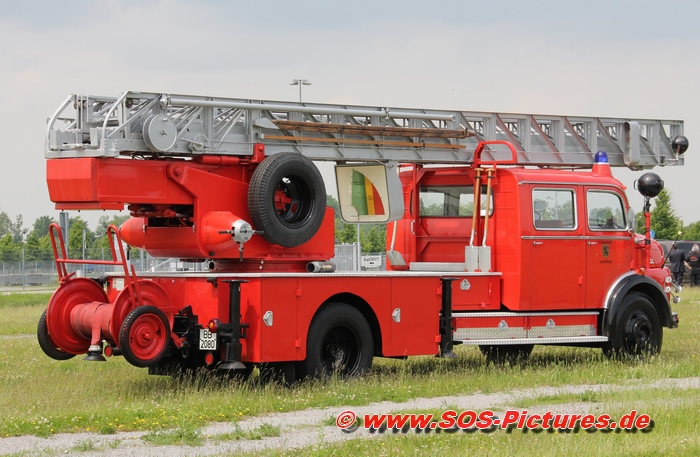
[629, 59]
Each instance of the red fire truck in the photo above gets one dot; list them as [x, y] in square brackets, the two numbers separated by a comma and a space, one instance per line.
[504, 231]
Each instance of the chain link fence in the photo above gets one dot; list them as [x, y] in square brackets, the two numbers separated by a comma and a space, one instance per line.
[36, 273]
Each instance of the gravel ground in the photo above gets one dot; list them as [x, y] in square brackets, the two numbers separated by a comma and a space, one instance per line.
[306, 427]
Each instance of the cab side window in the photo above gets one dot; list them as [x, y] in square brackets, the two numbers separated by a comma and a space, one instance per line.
[554, 209]
[605, 211]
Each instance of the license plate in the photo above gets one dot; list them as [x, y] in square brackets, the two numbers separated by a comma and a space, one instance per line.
[207, 340]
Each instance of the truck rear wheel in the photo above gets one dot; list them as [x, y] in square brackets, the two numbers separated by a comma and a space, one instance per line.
[48, 346]
[287, 199]
[506, 354]
[144, 336]
[340, 341]
[636, 330]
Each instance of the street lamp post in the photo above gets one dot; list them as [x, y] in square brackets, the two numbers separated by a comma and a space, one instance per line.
[300, 82]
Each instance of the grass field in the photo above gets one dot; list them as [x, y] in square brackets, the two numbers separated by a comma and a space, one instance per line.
[40, 396]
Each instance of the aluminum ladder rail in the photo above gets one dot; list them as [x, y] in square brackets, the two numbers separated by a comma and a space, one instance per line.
[152, 124]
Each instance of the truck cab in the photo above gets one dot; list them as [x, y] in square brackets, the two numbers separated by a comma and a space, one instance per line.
[561, 241]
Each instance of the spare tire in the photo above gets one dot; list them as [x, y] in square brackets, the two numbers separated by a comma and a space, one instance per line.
[287, 199]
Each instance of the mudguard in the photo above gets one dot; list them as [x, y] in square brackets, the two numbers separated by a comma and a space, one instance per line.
[630, 282]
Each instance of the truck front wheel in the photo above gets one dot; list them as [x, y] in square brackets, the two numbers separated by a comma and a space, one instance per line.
[635, 330]
[340, 341]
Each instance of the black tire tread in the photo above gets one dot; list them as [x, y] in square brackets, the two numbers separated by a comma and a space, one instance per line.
[260, 201]
[332, 315]
[639, 302]
[49, 348]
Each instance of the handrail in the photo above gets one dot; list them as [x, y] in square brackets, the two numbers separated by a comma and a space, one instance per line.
[130, 278]
[477, 162]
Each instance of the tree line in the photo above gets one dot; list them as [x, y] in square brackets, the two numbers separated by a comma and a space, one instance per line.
[19, 243]
[372, 236]
[665, 222]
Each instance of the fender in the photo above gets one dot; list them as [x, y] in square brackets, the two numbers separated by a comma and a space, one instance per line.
[632, 282]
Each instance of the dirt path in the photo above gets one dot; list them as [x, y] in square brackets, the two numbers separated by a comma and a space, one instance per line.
[308, 427]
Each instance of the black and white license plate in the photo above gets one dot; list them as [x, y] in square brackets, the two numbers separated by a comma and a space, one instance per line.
[207, 340]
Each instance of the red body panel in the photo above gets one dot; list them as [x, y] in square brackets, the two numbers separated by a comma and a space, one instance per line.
[212, 192]
[295, 299]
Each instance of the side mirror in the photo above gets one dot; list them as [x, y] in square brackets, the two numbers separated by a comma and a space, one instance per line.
[631, 221]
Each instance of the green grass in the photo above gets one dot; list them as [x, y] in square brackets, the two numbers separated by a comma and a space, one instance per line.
[41, 396]
[20, 300]
[588, 396]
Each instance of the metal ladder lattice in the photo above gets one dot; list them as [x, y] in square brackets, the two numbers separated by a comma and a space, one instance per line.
[153, 124]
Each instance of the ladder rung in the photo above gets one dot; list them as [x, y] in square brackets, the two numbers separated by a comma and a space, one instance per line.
[372, 130]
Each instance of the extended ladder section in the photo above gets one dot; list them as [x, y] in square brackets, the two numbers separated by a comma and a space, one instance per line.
[163, 125]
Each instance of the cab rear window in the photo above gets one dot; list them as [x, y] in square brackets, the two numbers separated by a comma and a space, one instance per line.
[451, 201]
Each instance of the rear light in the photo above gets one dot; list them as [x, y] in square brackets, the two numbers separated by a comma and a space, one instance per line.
[109, 351]
[209, 358]
[213, 325]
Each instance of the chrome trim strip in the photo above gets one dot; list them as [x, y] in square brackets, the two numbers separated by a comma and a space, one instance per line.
[562, 331]
[577, 184]
[563, 340]
[272, 274]
[575, 237]
[613, 286]
[511, 314]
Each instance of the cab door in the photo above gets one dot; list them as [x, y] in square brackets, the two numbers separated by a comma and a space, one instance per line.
[557, 249]
[609, 248]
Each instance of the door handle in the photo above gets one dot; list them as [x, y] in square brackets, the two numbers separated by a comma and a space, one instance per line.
[591, 243]
[537, 243]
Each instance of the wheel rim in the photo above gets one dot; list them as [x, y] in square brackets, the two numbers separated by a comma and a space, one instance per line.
[151, 295]
[341, 350]
[147, 337]
[293, 201]
[639, 334]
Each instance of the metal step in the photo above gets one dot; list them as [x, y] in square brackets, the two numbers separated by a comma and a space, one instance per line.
[510, 341]
[154, 124]
[532, 326]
